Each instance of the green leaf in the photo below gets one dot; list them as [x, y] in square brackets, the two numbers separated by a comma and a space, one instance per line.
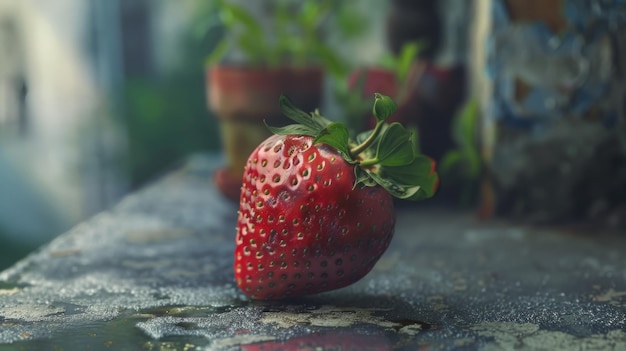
[474, 163]
[415, 139]
[466, 137]
[405, 59]
[401, 64]
[388, 62]
[297, 115]
[335, 135]
[464, 126]
[319, 119]
[335, 65]
[400, 191]
[449, 161]
[218, 53]
[292, 129]
[396, 146]
[254, 49]
[418, 173]
[350, 20]
[307, 124]
[232, 14]
[420, 194]
[310, 14]
[251, 38]
[362, 177]
[383, 107]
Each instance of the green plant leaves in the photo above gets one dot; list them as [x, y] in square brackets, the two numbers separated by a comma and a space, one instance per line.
[407, 56]
[296, 114]
[415, 181]
[251, 40]
[396, 165]
[232, 14]
[421, 171]
[308, 124]
[450, 160]
[395, 147]
[400, 191]
[333, 62]
[218, 53]
[295, 36]
[337, 136]
[292, 129]
[465, 159]
[401, 63]
[383, 107]
[362, 176]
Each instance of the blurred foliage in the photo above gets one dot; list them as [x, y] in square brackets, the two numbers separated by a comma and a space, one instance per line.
[167, 120]
[166, 115]
[354, 104]
[462, 166]
[297, 35]
[355, 107]
[401, 63]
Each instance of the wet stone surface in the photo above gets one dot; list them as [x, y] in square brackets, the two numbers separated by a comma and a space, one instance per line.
[155, 273]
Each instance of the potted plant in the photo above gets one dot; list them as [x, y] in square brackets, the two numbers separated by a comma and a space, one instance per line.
[428, 92]
[256, 62]
[393, 76]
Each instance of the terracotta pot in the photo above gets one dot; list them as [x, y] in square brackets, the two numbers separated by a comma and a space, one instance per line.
[242, 97]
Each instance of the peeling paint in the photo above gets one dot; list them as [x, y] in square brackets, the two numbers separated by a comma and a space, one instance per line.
[528, 336]
[616, 298]
[9, 291]
[30, 312]
[327, 316]
[412, 329]
[167, 346]
[437, 302]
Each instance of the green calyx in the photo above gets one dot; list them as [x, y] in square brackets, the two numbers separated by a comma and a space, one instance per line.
[385, 156]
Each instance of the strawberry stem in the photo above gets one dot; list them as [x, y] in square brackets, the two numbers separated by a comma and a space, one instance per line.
[369, 162]
[355, 151]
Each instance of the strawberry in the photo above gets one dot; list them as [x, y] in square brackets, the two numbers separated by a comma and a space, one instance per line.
[316, 209]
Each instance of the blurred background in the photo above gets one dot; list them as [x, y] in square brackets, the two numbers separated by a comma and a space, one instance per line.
[96, 98]
[520, 102]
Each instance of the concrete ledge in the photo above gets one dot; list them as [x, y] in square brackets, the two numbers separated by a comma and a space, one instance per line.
[155, 273]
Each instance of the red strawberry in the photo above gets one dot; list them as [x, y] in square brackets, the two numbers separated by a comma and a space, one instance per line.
[302, 228]
[316, 211]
